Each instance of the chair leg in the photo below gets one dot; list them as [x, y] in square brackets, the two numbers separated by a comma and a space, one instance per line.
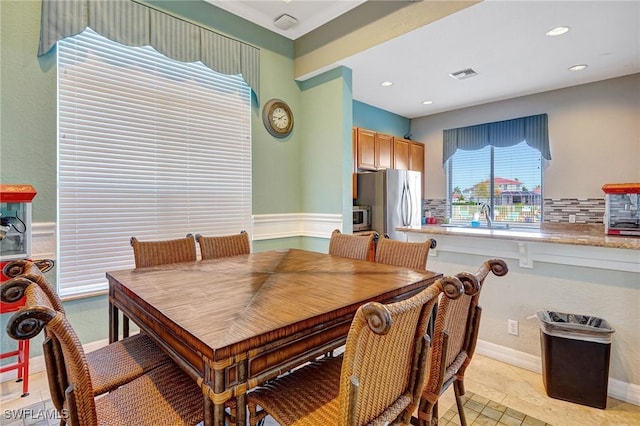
[256, 417]
[458, 389]
[425, 414]
[24, 370]
[125, 326]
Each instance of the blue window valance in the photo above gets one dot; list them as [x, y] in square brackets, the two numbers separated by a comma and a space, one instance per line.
[135, 24]
[533, 129]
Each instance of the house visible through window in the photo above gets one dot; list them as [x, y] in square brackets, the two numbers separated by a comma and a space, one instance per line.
[507, 179]
[147, 147]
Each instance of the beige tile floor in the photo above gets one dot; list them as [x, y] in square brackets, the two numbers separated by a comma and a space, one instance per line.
[519, 390]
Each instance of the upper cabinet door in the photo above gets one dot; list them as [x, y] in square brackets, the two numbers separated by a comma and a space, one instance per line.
[366, 151]
[416, 157]
[401, 153]
[416, 161]
[384, 151]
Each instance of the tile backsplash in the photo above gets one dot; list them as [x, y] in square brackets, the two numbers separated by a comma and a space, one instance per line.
[587, 210]
[434, 208]
[555, 210]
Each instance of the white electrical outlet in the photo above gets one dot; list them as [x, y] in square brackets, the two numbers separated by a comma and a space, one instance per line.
[512, 327]
[572, 218]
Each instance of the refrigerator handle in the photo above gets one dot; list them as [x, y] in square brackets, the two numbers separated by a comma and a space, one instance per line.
[404, 204]
[409, 205]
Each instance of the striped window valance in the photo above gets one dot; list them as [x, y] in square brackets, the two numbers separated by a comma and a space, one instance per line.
[135, 24]
[532, 129]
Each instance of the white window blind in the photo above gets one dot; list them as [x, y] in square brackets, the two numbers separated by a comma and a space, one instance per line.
[516, 194]
[147, 147]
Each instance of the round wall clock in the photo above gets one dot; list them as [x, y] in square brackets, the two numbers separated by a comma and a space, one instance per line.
[277, 118]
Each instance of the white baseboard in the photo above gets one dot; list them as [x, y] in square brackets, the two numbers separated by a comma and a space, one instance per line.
[623, 391]
[509, 356]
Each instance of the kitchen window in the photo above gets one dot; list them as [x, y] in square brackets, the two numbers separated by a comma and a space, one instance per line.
[147, 147]
[497, 167]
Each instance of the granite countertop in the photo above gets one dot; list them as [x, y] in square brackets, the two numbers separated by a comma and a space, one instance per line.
[582, 235]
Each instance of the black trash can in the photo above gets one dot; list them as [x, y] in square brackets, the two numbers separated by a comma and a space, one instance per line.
[575, 357]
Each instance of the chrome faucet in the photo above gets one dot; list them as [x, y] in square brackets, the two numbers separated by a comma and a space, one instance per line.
[486, 209]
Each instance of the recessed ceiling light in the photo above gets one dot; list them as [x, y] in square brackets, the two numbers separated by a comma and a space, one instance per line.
[427, 102]
[578, 67]
[386, 84]
[557, 31]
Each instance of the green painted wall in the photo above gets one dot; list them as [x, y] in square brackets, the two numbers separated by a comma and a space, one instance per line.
[325, 159]
[276, 162]
[372, 118]
[27, 107]
[326, 154]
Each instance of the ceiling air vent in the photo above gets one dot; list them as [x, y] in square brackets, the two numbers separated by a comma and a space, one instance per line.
[462, 74]
[285, 22]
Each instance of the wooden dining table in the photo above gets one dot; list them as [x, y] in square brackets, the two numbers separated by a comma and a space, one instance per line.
[235, 322]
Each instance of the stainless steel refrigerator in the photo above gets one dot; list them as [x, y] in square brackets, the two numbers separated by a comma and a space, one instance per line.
[395, 199]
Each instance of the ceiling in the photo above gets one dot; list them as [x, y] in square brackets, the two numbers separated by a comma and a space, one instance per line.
[310, 14]
[504, 42]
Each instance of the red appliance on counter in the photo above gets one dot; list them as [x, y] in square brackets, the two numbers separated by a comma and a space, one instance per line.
[622, 216]
[15, 243]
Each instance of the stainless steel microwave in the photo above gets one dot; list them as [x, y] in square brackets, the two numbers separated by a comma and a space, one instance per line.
[361, 218]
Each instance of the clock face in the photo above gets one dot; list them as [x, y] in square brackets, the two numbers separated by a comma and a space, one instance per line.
[277, 118]
[280, 118]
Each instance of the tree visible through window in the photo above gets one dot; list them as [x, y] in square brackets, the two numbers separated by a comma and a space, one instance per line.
[507, 179]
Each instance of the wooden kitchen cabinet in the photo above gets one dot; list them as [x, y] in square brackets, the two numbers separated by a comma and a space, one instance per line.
[401, 153]
[365, 149]
[408, 155]
[384, 151]
[416, 157]
[354, 152]
[374, 151]
[416, 161]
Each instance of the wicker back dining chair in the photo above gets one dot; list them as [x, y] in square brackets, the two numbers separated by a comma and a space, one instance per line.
[453, 342]
[215, 247]
[110, 366]
[352, 246]
[153, 253]
[163, 252]
[402, 253]
[164, 395]
[378, 379]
